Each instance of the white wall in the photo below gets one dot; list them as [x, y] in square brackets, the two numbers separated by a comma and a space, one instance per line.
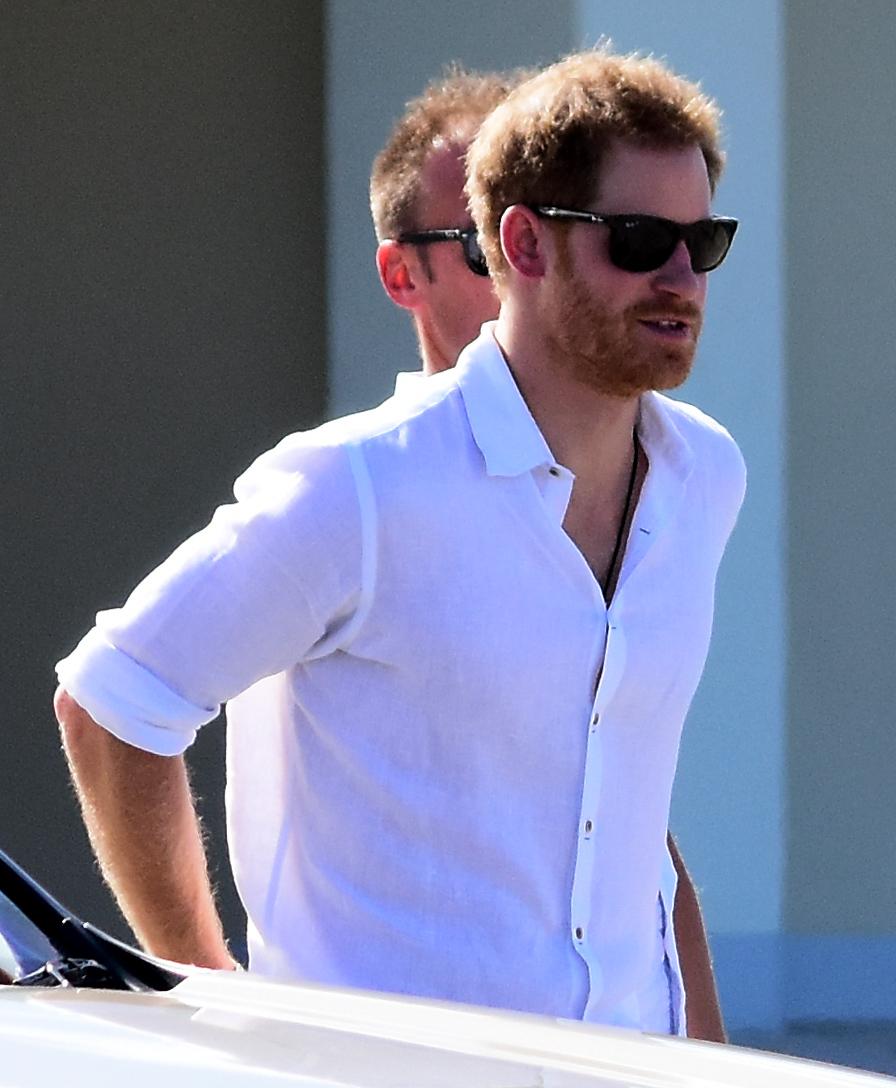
[729, 807]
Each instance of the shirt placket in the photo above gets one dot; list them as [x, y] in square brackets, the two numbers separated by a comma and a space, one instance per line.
[609, 668]
[609, 664]
[610, 674]
[656, 506]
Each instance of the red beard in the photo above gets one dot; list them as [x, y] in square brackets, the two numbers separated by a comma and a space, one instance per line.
[611, 351]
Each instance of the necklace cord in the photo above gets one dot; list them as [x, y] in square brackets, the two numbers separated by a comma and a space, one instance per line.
[611, 570]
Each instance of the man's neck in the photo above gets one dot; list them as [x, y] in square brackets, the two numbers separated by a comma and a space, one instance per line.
[589, 432]
[432, 354]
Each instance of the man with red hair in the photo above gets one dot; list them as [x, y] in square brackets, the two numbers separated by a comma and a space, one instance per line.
[484, 608]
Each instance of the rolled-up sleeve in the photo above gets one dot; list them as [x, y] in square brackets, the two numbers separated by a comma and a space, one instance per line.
[272, 576]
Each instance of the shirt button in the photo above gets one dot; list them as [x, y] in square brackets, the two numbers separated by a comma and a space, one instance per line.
[595, 718]
[589, 827]
[554, 471]
[579, 933]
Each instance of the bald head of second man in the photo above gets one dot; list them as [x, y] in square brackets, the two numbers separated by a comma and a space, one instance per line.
[428, 256]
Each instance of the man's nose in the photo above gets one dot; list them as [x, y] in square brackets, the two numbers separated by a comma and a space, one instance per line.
[676, 277]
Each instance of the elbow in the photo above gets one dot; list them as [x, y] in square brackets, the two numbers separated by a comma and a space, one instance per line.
[88, 744]
[67, 710]
[76, 726]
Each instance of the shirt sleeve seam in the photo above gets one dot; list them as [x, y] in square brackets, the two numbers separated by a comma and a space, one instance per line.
[368, 514]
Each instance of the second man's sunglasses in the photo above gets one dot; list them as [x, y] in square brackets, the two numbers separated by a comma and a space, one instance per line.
[643, 243]
[468, 239]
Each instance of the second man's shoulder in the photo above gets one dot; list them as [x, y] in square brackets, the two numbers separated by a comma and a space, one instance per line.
[415, 418]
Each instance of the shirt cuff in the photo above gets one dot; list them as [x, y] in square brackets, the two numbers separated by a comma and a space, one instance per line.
[128, 700]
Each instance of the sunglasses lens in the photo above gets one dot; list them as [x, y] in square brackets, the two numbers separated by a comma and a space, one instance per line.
[473, 254]
[708, 243]
[641, 244]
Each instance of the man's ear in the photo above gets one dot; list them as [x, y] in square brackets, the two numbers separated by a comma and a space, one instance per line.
[396, 275]
[522, 241]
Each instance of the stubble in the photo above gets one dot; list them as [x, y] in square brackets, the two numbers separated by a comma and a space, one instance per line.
[610, 351]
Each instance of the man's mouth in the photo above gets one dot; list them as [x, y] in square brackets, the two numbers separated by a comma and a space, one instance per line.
[667, 326]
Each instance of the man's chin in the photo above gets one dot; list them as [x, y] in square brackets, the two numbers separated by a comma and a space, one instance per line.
[672, 376]
[668, 369]
[627, 382]
[613, 361]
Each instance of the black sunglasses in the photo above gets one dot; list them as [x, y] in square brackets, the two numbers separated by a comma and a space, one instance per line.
[468, 239]
[643, 243]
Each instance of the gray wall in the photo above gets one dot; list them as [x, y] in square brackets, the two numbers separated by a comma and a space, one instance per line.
[163, 322]
[841, 211]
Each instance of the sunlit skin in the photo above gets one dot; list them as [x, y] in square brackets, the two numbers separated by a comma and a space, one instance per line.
[448, 302]
[620, 332]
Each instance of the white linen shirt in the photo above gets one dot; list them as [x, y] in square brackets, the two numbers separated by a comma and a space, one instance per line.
[455, 780]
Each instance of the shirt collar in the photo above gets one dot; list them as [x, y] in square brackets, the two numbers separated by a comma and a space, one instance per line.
[502, 426]
[662, 440]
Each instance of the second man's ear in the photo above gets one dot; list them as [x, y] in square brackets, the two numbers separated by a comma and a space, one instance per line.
[396, 275]
[522, 241]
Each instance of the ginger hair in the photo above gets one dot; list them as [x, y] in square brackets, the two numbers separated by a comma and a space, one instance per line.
[545, 142]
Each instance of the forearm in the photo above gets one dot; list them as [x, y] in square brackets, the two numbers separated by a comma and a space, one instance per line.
[139, 813]
[704, 1013]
